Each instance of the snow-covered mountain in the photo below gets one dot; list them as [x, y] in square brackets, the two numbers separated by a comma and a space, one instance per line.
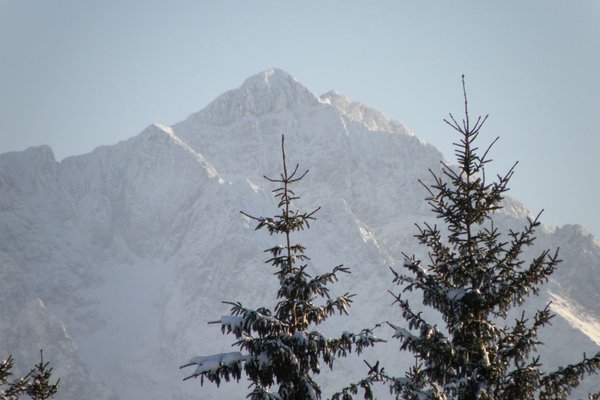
[114, 261]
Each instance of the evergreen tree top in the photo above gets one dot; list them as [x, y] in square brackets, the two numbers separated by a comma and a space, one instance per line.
[280, 351]
[473, 276]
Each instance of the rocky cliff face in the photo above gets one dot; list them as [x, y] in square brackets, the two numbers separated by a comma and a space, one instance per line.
[114, 261]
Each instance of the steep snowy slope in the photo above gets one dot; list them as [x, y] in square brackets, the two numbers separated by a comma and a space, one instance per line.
[133, 247]
[28, 326]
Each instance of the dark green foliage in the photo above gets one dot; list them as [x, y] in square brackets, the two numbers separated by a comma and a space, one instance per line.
[282, 350]
[566, 378]
[473, 277]
[36, 384]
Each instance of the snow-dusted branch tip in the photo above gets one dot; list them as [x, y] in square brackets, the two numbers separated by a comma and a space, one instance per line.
[212, 362]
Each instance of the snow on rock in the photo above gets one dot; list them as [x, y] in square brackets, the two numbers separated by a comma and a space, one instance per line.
[27, 325]
[514, 208]
[576, 316]
[372, 119]
[271, 91]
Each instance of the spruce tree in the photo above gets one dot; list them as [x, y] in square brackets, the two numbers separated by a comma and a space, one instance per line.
[473, 277]
[36, 384]
[280, 349]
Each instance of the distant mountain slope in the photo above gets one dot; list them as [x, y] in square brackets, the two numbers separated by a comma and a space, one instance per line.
[132, 247]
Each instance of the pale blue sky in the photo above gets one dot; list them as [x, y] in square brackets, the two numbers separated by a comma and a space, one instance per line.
[77, 74]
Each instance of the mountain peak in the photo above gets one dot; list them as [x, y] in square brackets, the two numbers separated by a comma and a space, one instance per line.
[269, 91]
[270, 78]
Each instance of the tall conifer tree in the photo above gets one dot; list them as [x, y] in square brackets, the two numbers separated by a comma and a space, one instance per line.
[473, 277]
[280, 350]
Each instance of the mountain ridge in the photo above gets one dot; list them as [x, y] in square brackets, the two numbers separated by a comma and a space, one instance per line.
[153, 223]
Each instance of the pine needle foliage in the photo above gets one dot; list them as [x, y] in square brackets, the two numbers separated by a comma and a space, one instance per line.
[473, 277]
[281, 349]
[36, 384]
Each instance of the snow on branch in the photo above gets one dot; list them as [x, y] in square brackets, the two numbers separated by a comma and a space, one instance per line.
[213, 363]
